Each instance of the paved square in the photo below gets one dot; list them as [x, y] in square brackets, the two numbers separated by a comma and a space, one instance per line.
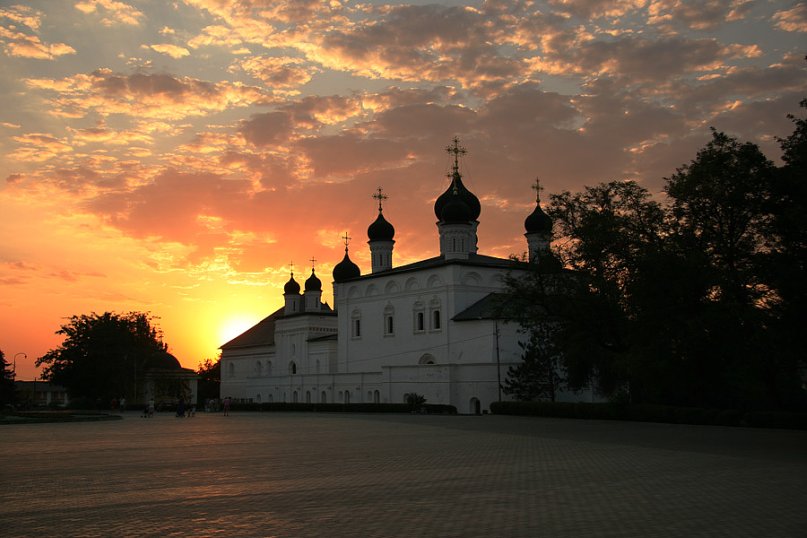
[311, 475]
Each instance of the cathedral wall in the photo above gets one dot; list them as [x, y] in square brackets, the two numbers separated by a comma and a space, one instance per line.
[421, 305]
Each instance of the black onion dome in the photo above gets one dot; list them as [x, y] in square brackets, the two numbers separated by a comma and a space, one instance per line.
[538, 221]
[162, 360]
[345, 269]
[456, 211]
[380, 229]
[313, 283]
[467, 196]
[291, 287]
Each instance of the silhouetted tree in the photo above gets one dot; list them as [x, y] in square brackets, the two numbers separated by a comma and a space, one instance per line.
[104, 356]
[537, 376]
[6, 382]
[610, 232]
[209, 379]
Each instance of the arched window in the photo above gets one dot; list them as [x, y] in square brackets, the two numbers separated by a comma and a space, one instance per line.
[269, 368]
[323, 398]
[427, 358]
[419, 321]
[294, 397]
[231, 369]
[258, 369]
[347, 397]
[292, 368]
[376, 396]
[435, 319]
[308, 396]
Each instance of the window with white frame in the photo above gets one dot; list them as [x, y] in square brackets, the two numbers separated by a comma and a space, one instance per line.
[419, 319]
[435, 316]
[389, 321]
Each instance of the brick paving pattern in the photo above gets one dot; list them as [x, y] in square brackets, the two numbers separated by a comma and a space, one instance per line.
[312, 475]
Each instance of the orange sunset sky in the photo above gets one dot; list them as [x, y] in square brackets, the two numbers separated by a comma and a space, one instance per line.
[175, 156]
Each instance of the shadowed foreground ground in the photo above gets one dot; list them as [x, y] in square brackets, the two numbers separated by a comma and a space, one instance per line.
[309, 475]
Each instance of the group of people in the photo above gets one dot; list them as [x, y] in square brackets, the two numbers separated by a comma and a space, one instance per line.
[185, 411]
[188, 410]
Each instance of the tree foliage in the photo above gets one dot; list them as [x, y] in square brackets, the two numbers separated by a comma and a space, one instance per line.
[6, 381]
[699, 300]
[209, 382]
[537, 376]
[105, 356]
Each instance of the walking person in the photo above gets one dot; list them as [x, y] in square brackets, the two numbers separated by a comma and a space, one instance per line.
[226, 406]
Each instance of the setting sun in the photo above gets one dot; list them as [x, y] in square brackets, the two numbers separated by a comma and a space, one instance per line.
[234, 326]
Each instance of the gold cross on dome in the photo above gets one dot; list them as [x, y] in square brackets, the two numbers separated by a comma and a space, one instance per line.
[313, 261]
[347, 239]
[537, 188]
[291, 267]
[379, 195]
[456, 150]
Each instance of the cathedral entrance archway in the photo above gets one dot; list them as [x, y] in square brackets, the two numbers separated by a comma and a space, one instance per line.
[426, 358]
[476, 406]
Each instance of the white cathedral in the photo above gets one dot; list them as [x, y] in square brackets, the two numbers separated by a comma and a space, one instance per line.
[428, 327]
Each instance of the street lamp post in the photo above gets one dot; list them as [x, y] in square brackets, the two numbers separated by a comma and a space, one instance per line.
[14, 364]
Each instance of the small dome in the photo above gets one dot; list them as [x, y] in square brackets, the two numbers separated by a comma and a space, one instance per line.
[291, 286]
[456, 210]
[162, 360]
[313, 283]
[380, 229]
[345, 269]
[467, 196]
[538, 221]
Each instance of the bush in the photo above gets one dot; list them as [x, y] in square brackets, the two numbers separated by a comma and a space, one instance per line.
[654, 413]
[432, 409]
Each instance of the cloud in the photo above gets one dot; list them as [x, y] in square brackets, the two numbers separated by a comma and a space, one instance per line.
[270, 128]
[171, 206]
[19, 44]
[591, 9]
[174, 51]
[430, 42]
[158, 96]
[792, 20]
[704, 15]
[282, 73]
[114, 12]
[38, 147]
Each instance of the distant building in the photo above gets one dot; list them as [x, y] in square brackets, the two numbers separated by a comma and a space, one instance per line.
[41, 393]
[428, 327]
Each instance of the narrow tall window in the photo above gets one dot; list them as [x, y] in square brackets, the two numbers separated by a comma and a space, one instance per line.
[420, 321]
[389, 321]
[436, 319]
[355, 324]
